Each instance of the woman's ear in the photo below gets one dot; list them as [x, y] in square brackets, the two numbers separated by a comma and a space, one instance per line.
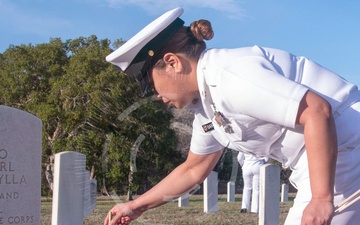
[173, 61]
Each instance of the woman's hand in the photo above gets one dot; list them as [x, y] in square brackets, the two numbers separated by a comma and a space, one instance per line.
[181, 180]
[318, 212]
[121, 214]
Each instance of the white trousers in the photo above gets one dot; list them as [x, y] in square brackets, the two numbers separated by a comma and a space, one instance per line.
[347, 178]
[251, 173]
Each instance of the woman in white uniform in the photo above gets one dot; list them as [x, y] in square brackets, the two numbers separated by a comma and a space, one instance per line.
[250, 166]
[259, 100]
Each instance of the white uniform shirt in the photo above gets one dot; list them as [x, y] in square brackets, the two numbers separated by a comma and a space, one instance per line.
[253, 89]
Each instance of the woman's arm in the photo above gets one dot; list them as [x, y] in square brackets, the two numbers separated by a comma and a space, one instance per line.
[321, 147]
[185, 177]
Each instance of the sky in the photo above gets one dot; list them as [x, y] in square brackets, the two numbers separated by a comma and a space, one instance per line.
[326, 31]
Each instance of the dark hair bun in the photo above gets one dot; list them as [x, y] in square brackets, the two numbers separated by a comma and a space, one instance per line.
[202, 30]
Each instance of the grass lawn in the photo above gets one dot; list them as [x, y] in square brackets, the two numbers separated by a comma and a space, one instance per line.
[171, 214]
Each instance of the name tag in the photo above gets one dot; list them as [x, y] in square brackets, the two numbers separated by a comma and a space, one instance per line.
[208, 127]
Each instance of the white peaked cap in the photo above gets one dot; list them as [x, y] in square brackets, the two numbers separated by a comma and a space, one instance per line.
[134, 56]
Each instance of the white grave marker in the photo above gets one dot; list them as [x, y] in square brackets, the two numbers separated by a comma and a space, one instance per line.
[284, 192]
[93, 193]
[231, 191]
[20, 167]
[87, 194]
[211, 193]
[72, 193]
[269, 195]
[183, 200]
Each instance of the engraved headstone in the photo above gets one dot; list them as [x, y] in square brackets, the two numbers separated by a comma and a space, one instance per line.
[269, 203]
[20, 167]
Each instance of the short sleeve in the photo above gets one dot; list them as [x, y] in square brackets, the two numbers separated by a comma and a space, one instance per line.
[203, 142]
[261, 92]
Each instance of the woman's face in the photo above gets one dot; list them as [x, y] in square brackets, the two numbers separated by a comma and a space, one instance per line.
[173, 88]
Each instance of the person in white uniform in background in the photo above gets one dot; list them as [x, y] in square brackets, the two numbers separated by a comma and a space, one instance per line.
[264, 101]
[250, 166]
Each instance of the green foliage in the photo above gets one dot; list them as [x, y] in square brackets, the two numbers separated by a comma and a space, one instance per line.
[86, 105]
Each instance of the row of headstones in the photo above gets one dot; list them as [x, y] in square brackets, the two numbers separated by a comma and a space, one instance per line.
[269, 199]
[81, 192]
[77, 197]
[20, 179]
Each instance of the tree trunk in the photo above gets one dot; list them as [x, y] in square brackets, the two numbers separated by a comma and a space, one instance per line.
[129, 194]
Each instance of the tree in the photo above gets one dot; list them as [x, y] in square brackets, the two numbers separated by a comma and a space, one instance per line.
[81, 100]
[28, 73]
